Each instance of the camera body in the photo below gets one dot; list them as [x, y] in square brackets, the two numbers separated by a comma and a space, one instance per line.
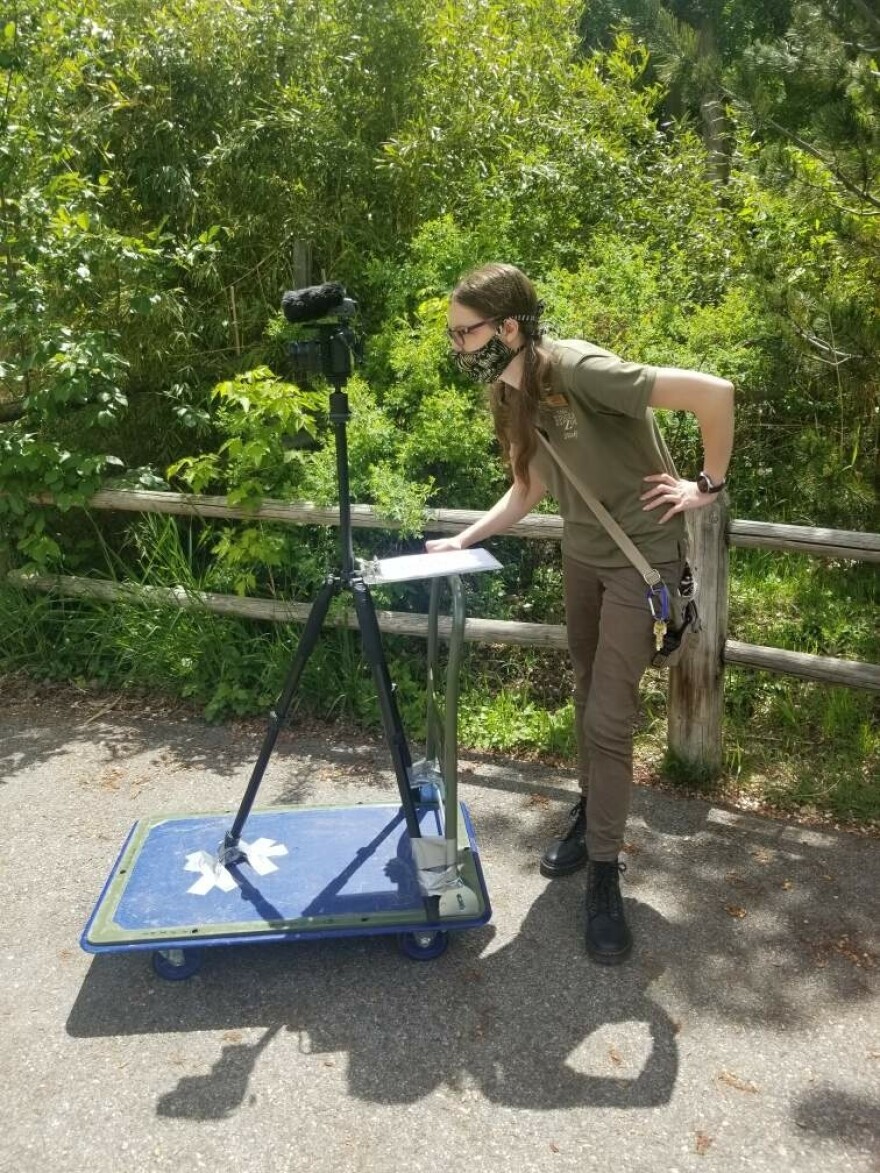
[327, 310]
[331, 354]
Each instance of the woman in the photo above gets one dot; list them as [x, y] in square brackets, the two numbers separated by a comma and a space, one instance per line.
[594, 410]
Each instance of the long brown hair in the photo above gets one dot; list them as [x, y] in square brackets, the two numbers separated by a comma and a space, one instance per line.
[503, 291]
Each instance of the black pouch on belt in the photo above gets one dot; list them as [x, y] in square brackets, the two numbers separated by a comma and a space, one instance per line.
[683, 623]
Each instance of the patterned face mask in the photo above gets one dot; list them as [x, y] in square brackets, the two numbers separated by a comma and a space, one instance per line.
[486, 364]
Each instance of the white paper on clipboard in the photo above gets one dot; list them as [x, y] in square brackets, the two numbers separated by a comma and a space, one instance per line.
[408, 567]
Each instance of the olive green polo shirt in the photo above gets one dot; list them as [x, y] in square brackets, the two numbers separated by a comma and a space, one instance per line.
[597, 417]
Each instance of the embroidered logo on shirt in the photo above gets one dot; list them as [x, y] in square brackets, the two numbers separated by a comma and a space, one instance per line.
[564, 419]
[566, 422]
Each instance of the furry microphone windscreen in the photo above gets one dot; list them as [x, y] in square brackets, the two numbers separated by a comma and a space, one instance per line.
[304, 305]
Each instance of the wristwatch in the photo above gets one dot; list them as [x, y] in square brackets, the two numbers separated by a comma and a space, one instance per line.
[706, 485]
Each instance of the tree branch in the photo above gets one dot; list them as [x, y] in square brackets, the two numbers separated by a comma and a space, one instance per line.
[840, 356]
[809, 149]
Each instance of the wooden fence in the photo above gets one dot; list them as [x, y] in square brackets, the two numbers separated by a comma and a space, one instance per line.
[696, 686]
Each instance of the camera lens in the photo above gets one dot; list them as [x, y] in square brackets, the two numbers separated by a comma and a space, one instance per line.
[306, 357]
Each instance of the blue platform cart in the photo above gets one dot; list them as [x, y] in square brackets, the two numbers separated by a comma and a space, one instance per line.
[297, 873]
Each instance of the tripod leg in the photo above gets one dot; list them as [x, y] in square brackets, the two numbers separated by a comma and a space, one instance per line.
[311, 632]
[372, 642]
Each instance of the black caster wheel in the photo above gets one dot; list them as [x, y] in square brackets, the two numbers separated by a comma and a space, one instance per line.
[176, 965]
[423, 946]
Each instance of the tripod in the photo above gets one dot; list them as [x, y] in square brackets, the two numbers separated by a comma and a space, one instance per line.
[334, 352]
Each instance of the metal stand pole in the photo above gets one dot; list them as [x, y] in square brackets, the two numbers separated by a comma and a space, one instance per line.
[351, 580]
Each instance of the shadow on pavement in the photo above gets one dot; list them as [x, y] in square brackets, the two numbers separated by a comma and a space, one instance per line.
[751, 922]
[517, 1021]
[767, 924]
[171, 743]
[220, 1093]
[183, 742]
[828, 1112]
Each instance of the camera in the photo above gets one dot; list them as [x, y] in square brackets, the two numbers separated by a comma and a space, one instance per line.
[326, 309]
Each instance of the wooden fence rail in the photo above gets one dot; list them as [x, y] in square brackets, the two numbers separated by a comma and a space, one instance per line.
[830, 543]
[696, 686]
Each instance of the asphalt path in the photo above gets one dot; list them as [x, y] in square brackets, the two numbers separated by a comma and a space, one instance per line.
[743, 1034]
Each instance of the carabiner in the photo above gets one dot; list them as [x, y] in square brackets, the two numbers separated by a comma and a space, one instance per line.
[658, 602]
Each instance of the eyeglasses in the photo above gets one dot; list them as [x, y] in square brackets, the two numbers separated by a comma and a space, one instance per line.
[459, 333]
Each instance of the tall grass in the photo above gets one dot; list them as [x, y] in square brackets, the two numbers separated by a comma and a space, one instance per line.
[795, 743]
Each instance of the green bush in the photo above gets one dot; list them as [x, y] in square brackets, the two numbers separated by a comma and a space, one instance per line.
[167, 171]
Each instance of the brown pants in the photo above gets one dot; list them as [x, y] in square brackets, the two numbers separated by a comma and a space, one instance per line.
[611, 642]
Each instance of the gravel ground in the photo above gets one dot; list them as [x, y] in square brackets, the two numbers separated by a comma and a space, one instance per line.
[743, 1034]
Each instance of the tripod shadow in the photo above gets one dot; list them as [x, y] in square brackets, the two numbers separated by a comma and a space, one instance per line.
[221, 1092]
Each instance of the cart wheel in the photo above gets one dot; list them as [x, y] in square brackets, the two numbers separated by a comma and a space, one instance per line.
[423, 946]
[428, 794]
[176, 965]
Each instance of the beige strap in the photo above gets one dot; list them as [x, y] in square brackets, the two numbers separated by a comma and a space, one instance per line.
[652, 577]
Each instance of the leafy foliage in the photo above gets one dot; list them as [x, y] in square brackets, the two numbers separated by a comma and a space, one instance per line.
[689, 182]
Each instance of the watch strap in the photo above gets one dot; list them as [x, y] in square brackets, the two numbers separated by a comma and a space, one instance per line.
[707, 485]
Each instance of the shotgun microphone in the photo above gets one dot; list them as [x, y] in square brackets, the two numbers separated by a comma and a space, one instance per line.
[306, 305]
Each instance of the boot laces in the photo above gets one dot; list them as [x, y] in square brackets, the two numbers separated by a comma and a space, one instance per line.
[578, 817]
[604, 892]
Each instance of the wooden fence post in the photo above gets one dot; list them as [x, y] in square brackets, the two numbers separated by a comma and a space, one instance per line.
[302, 264]
[696, 686]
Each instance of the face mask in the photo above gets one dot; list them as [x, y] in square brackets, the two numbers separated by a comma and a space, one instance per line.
[486, 364]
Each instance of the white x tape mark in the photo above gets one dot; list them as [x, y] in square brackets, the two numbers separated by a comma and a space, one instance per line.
[213, 875]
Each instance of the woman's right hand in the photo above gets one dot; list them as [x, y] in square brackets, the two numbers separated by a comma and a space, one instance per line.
[441, 545]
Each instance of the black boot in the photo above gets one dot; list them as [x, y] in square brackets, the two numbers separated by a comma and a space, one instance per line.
[609, 940]
[569, 853]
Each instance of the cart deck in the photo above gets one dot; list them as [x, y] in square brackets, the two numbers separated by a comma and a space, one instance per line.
[310, 872]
